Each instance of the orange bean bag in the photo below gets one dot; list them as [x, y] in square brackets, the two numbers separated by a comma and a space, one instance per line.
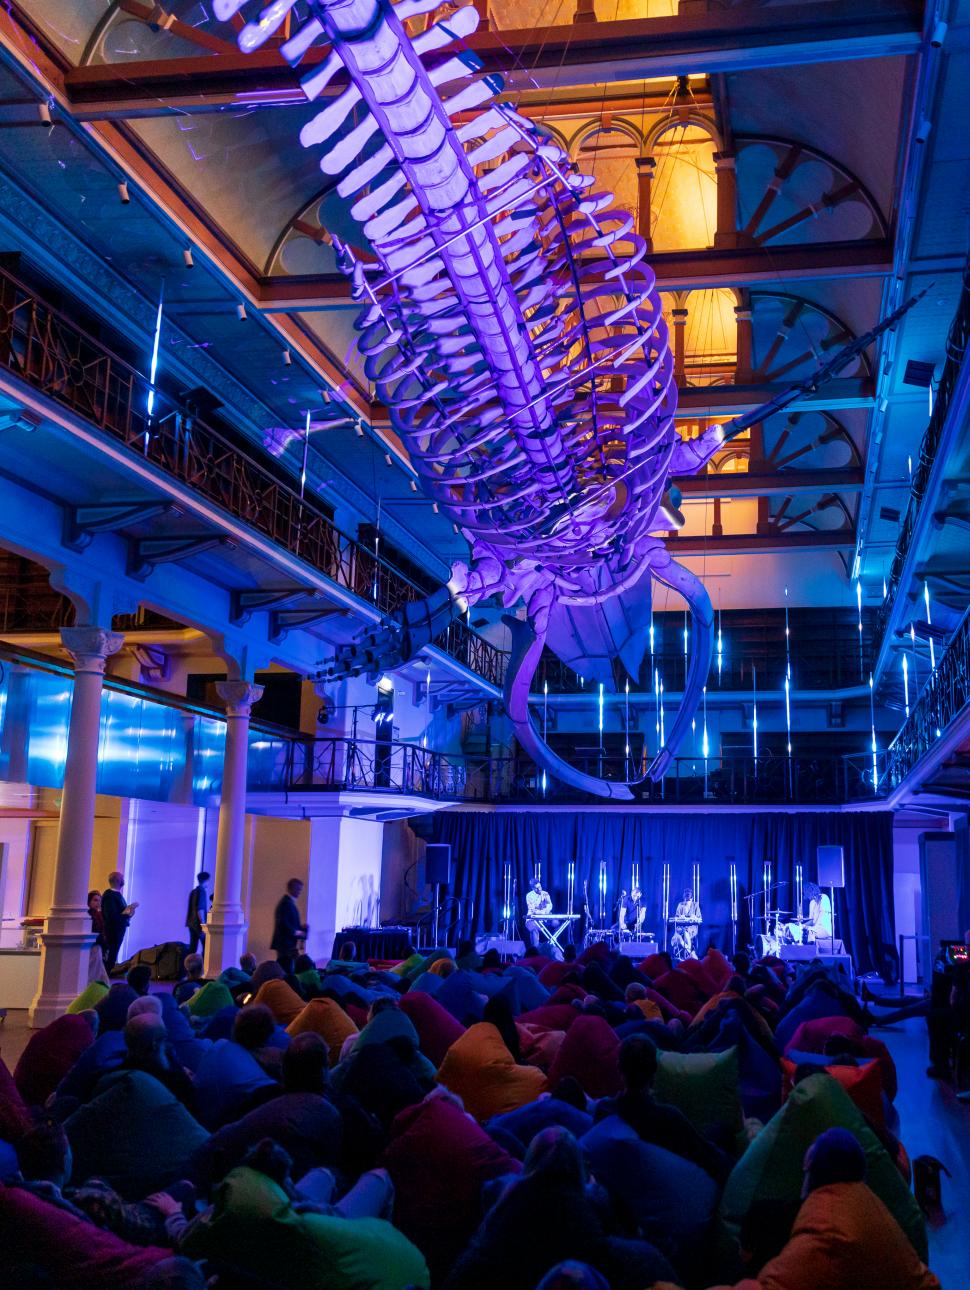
[281, 999]
[649, 1009]
[482, 1072]
[326, 1018]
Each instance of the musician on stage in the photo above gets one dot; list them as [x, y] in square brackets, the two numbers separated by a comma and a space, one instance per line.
[631, 911]
[688, 915]
[819, 922]
[537, 901]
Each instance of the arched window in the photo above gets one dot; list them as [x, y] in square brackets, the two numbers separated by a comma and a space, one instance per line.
[683, 195]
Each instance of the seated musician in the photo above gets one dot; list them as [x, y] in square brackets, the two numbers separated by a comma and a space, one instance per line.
[819, 924]
[537, 901]
[688, 915]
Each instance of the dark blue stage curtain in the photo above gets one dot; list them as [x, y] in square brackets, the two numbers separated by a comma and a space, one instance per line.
[484, 841]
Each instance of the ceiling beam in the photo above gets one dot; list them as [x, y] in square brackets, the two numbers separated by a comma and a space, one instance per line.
[784, 483]
[675, 270]
[638, 49]
[761, 543]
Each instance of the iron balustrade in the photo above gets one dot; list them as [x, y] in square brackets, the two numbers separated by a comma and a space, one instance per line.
[51, 353]
[345, 763]
[944, 698]
[956, 347]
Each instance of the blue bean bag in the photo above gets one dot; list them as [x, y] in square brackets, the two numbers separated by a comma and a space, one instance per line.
[427, 983]
[815, 1005]
[672, 1200]
[532, 993]
[227, 1083]
[189, 1048]
[9, 1163]
[759, 1071]
[134, 1134]
[526, 1121]
[459, 996]
[220, 1024]
[104, 1056]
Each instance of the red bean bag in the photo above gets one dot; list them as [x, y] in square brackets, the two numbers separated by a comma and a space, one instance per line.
[357, 1014]
[718, 967]
[49, 1055]
[700, 976]
[438, 1160]
[566, 994]
[482, 1072]
[667, 1009]
[590, 1053]
[553, 973]
[75, 1253]
[862, 1083]
[812, 1036]
[551, 1016]
[437, 1028]
[538, 1045]
[595, 953]
[15, 1119]
[681, 990]
[653, 965]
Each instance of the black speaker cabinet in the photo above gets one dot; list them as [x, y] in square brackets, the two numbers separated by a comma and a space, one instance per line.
[437, 863]
[831, 867]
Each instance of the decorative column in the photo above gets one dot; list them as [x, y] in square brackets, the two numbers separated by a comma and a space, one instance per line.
[646, 169]
[227, 926]
[585, 12]
[742, 314]
[67, 936]
[727, 236]
[678, 318]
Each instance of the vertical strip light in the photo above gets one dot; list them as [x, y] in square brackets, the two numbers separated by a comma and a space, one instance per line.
[912, 641]
[154, 367]
[626, 728]
[545, 725]
[427, 700]
[306, 452]
[929, 623]
[872, 720]
[788, 677]
[651, 638]
[906, 682]
[720, 646]
[858, 601]
[754, 716]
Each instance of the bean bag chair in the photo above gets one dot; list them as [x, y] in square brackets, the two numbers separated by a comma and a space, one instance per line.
[356, 1013]
[388, 1025]
[759, 1070]
[554, 972]
[527, 1121]
[310, 980]
[112, 1008]
[671, 1200]
[212, 998]
[812, 1036]
[552, 1016]
[704, 1086]
[15, 1119]
[598, 952]
[380, 1081]
[531, 992]
[73, 1252]
[103, 1057]
[566, 993]
[134, 1134]
[771, 1167]
[443, 967]
[410, 966]
[189, 1047]
[307, 1125]
[480, 1070]
[649, 1009]
[9, 1163]
[700, 976]
[254, 1232]
[668, 1010]
[862, 1083]
[718, 967]
[681, 990]
[458, 995]
[426, 983]
[597, 980]
[439, 1161]
[815, 1005]
[228, 1083]
[653, 965]
[538, 1046]
[89, 997]
[49, 1055]
[281, 999]
[437, 1028]
[326, 1018]
[590, 1053]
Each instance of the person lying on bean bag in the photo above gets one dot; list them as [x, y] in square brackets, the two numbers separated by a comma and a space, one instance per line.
[479, 1068]
[50, 1053]
[844, 1236]
[253, 1229]
[439, 1160]
[326, 1018]
[436, 1027]
[548, 1215]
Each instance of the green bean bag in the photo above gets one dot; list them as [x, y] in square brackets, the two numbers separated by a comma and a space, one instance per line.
[212, 998]
[134, 1134]
[89, 996]
[705, 1086]
[253, 1229]
[771, 1168]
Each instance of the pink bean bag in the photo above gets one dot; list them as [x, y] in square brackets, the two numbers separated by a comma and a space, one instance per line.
[49, 1055]
[566, 993]
[553, 973]
[668, 1010]
[590, 1053]
[539, 1046]
[681, 990]
[551, 1016]
[699, 974]
[812, 1036]
[437, 1028]
[718, 967]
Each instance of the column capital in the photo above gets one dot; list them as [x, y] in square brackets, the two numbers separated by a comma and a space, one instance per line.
[238, 696]
[91, 647]
[646, 164]
[724, 161]
[679, 317]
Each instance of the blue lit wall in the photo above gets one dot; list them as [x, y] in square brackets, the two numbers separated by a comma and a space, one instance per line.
[146, 750]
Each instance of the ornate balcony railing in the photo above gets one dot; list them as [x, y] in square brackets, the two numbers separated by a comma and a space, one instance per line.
[46, 349]
[956, 348]
[945, 697]
[347, 764]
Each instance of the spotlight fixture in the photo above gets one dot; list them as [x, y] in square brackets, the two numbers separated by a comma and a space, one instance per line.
[123, 193]
[287, 358]
[359, 428]
[414, 487]
[187, 257]
[44, 112]
[326, 396]
[434, 507]
[387, 458]
[241, 312]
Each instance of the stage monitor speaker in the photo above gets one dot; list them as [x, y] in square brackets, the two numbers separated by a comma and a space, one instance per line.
[437, 863]
[831, 867]
[638, 949]
[514, 949]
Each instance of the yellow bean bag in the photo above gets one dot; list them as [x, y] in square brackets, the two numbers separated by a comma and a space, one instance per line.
[482, 1072]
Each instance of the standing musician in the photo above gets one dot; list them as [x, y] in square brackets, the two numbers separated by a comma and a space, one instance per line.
[537, 901]
[631, 911]
[684, 942]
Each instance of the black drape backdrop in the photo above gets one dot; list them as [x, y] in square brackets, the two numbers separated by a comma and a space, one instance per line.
[483, 842]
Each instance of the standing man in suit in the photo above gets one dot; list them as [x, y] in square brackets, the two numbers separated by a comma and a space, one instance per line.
[198, 912]
[116, 913]
[287, 927]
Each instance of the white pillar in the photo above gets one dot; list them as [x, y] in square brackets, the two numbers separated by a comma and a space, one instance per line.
[226, 938]
[67, 937]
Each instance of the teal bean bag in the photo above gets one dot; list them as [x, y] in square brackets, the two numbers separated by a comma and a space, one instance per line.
[705, 1086]
[134, 1134]
[253, 1229]
[771, 1168]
